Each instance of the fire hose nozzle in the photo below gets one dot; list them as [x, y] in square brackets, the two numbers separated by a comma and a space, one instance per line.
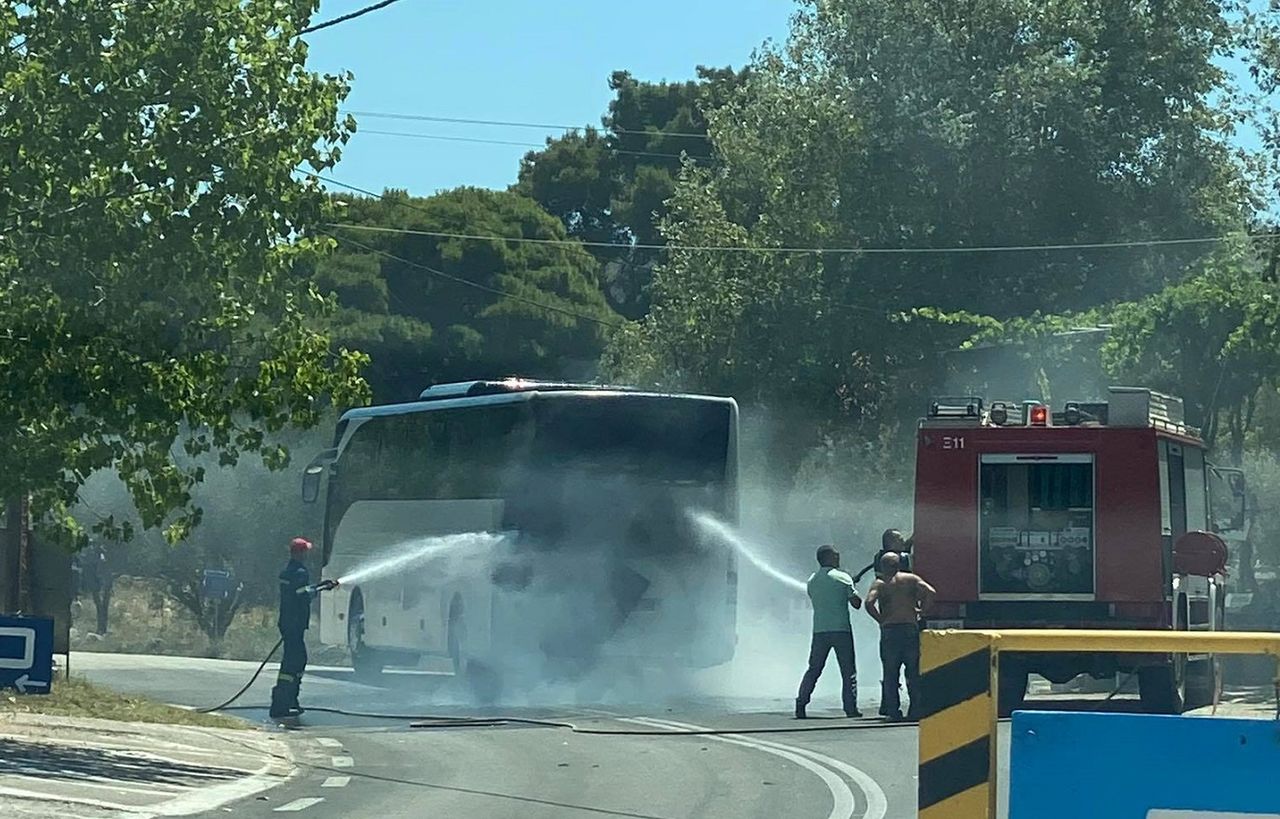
[315, 588]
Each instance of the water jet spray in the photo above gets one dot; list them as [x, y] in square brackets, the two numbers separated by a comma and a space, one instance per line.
[418, 550]
[722, 531]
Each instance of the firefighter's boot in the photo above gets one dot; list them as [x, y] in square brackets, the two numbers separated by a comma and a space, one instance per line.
[294, 708]
[280, 697]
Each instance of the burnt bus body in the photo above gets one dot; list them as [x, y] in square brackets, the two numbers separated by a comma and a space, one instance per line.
[591, 488]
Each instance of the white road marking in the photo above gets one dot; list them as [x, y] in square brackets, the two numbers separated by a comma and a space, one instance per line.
[271, 774]
[45, 796]
[329, 742]
[843, 803]
[343, 762]
[877, 802]
[101, 783]
[300, 804]
[336, 782]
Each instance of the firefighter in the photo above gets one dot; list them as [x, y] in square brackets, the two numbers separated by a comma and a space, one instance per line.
[896, 601]
[832, 593]
[296, 593]
[891, 541]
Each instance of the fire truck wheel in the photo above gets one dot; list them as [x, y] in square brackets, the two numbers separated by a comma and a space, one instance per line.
[1202, 683]
[1013, 688]
[1162, 689]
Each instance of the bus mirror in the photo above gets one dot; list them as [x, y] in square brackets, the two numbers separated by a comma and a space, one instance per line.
[1238, 500]
[311, 484]
[1229, 503]
[311, 475]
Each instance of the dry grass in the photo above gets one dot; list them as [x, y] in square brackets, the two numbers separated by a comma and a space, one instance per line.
[145, 621]
[79, 698]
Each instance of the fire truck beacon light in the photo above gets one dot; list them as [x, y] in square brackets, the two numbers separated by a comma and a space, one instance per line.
[1039, 415]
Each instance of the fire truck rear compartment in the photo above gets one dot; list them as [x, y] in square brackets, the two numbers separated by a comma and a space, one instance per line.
[1027, 518]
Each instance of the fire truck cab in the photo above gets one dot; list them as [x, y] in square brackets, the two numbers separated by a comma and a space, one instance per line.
[1095, 516]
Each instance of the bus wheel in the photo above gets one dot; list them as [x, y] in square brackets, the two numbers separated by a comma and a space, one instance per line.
[483, 681]
[456, 635]
[1162, 688]
[364, 660]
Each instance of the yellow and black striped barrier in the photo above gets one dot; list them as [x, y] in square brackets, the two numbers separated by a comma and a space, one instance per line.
[959, 673]
[957, 725]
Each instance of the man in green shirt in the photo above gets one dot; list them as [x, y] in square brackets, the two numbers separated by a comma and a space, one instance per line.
[832, 593]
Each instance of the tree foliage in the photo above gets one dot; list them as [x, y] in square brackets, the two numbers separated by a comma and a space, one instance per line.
[251, 513]
[430, 308]
[150, 222]
[612, 186]
[927, 125]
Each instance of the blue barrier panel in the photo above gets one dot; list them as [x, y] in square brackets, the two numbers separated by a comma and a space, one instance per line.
[1135, 766]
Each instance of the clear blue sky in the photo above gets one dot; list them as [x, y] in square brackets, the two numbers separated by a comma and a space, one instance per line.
[515, 60]
[518, 60]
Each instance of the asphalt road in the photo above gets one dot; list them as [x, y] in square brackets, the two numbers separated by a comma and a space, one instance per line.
[351, 765]
[358, 766]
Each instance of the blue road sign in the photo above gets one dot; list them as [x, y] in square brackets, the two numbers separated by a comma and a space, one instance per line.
[217, 584]
[26, 654]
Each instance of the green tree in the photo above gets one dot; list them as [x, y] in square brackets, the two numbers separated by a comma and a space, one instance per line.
[432, 308]
[1213, 340]
[150, 221]
[251, 513]
[612, 185]
[919, 124]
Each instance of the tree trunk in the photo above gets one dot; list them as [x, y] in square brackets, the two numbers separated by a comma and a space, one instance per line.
[102, 602]
[1237, 435]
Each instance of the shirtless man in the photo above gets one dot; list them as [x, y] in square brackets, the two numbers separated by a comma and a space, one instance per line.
[896, 601]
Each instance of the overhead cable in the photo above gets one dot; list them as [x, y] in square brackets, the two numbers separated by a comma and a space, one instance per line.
[344, 18]
[542, 126]
[477, 285]
[479, 140]
[480, 237]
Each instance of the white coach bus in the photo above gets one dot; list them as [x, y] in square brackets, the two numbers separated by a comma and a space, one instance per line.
[591, 488]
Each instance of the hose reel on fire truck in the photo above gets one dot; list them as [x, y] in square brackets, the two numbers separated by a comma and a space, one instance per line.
[1202, 554]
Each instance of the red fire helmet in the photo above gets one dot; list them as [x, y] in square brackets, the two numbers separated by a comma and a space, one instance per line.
[299, 545]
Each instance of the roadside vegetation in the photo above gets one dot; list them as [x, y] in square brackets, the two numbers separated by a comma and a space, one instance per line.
[76, 697]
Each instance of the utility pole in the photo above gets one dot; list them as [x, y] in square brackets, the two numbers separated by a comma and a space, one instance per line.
[14, 557]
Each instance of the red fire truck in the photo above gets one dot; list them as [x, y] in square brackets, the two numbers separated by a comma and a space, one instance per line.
[1093, 516]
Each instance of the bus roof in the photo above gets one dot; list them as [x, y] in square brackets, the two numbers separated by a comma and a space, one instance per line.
[509, 391]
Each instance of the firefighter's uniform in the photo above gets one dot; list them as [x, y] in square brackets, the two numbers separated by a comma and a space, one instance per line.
[295, 617]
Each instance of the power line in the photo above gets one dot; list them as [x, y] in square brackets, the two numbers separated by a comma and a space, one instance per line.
[753, 249]
[542, 126]
[794, 250]
[482, 141]
[344, 18]
[458, 279]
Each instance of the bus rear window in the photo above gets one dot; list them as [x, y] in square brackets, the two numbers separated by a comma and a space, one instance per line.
[1036, 524]
[662, 440]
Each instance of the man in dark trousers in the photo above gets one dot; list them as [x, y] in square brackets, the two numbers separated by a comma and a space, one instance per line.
[832, 593]
[896, 601]
[296, 592]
